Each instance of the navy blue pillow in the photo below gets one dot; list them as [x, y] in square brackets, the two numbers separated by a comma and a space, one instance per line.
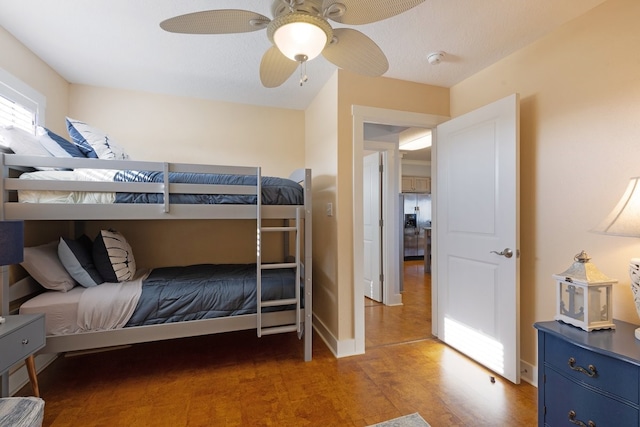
[69, 147]
[77, 258]
[80, 142]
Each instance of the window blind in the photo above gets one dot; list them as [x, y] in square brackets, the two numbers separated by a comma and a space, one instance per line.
[20, 104]
[13, 113]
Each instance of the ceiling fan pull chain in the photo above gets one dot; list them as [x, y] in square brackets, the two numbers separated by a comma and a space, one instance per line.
[303, 73]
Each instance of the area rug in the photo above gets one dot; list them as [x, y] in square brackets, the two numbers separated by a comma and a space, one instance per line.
[412, 420]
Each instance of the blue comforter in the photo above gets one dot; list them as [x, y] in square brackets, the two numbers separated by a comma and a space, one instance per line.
[275, 191]
[204, 291]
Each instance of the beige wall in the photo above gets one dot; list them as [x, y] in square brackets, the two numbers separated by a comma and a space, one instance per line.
[580, 130]
[321, 129]
[178, 129]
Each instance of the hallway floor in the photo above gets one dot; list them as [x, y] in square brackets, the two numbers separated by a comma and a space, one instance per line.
[409, 322]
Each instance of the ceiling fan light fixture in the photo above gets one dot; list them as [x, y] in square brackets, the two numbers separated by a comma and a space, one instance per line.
[299, 36]
[300, 39]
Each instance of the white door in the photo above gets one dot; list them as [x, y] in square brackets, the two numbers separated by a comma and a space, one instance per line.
[477, 232]
[371, 224]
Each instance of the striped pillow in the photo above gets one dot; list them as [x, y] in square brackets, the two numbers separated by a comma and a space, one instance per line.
[113, 257]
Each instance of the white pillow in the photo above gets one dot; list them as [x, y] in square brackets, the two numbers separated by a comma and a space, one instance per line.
[42, 263]
[104, 146]
[22, 142]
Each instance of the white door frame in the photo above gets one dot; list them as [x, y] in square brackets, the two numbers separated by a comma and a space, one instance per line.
[362, 115]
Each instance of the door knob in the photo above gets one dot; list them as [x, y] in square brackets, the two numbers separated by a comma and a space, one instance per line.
[507, 253]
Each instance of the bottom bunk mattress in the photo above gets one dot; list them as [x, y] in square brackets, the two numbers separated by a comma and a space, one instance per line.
[163, 295]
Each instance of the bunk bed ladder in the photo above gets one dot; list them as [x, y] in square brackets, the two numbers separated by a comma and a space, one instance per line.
[296, 326]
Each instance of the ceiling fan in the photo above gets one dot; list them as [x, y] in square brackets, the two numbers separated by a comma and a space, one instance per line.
[300, 31]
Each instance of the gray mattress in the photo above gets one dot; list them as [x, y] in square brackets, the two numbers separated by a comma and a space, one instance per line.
[205, 291]
[275, 191]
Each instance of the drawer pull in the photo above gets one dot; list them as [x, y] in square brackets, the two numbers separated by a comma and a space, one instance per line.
[590, 371]
[25, 341]
[572, 420]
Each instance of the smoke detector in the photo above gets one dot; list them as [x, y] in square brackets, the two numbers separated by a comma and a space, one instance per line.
[435, 58]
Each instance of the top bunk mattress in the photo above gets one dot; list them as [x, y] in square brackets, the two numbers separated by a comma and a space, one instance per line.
[275, 191]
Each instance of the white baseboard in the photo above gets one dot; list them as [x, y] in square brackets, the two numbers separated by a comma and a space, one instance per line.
[339, 349]
[529, 373]
[19, 377]
[396, 299]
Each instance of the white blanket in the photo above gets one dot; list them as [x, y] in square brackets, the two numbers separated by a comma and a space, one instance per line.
[109, 305]
[55, 196]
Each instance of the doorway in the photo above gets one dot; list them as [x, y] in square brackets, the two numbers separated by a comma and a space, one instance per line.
[409, 317]
[392, 234]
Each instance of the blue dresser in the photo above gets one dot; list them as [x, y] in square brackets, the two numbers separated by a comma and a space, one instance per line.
[588, 379]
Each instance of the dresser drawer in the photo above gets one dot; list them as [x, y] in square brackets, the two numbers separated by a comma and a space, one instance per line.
[612, 375]
[21, 342]
[565, 396]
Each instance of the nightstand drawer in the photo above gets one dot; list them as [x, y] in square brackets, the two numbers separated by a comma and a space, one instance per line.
[568, 397]
[21, 342]
[611, 375]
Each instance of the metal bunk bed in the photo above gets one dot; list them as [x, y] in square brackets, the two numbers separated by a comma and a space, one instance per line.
[297, 221]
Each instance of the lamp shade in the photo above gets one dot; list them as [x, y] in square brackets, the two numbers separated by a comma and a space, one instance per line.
[624, 219]
[11, 242]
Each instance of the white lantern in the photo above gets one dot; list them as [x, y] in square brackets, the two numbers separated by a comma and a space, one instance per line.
[584, 296]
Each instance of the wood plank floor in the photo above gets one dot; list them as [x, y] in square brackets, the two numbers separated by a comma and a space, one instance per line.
[237, 379]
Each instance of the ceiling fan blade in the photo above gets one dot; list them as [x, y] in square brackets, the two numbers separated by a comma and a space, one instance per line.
[353, 51]
[357, 12]
[224, 21]
[275, 68]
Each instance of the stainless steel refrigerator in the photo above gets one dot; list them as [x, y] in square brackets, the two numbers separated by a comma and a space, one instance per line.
[417, 218]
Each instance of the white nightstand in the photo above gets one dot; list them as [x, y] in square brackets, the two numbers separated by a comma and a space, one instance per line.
[20, 337]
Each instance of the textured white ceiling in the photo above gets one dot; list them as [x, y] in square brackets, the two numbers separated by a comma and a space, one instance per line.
[119, 44]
